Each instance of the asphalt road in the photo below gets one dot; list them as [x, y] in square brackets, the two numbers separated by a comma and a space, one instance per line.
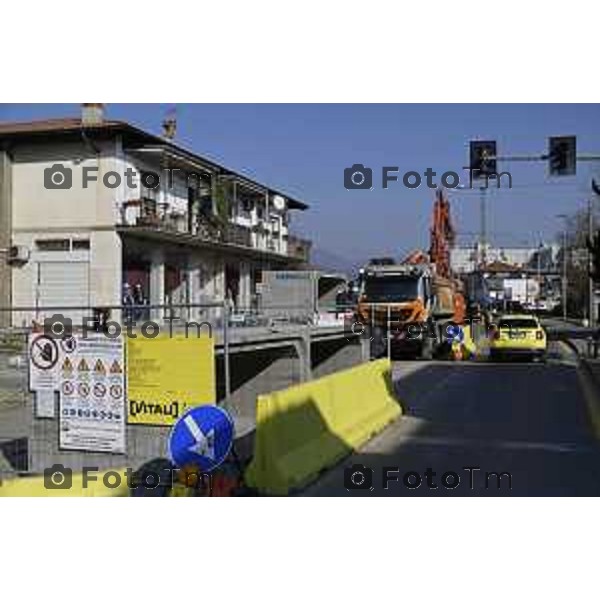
[525, 419]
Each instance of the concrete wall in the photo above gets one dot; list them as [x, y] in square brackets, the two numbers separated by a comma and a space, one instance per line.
[105, 268]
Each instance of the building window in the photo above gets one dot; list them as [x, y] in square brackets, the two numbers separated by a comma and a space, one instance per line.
[80, 245]
[246, 207]
[149, 208]
[62, 245]
[207, 205]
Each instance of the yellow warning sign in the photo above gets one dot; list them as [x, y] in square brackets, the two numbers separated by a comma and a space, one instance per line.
[67, 365]
[99, 368]
[166, 376]
[83, 366]
[116, 367]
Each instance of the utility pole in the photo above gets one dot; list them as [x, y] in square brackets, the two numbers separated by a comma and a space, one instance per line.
[483, 226]
[539, 271]
[592, 267]
[564, 281]
[564, 275]
[591, 311]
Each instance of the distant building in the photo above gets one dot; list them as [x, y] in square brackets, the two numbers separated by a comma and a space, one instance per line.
[466, 259]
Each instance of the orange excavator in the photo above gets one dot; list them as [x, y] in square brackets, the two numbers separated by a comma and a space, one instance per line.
[419, 298]
[441, 239]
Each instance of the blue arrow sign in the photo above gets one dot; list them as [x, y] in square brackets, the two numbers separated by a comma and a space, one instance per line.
[455, 332]
[201, 437]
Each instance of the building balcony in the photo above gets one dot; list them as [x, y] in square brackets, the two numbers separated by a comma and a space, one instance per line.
[206, 227]
[237, 234]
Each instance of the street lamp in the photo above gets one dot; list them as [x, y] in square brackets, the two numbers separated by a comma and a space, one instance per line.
[539, 271]
[564, 270]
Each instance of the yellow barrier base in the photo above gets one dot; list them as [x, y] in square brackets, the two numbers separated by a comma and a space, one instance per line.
[304, 429]
[35, 486]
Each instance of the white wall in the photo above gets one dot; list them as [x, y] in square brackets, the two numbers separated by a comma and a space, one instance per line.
[76, 213]
[35, 207]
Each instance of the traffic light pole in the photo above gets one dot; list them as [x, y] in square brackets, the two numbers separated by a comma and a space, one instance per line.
[564, 277]
[591, 311]
[591, 258]
[541, 157]
[483, 229]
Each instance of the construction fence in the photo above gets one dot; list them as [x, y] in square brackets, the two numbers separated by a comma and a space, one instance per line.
[82, 386]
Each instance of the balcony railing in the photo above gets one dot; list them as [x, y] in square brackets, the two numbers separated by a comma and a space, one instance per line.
[207, 227]
[237, 234]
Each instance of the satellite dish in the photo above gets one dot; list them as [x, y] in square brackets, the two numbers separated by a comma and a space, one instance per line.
[278, 203]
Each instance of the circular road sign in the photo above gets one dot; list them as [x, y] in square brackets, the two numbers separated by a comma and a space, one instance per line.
[201, 437]
[455, 333]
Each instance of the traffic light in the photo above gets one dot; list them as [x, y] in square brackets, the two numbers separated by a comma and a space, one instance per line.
[480, 163]
[594, 248]
[562, 154]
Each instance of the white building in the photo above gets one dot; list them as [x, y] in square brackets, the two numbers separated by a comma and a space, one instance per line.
[466, 259]
[204, 234]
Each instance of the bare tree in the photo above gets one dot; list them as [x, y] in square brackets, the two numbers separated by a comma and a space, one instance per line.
[577, 261]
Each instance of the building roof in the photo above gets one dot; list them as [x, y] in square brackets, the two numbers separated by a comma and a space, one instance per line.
[501, 267]
[65, 127]
[13, 129]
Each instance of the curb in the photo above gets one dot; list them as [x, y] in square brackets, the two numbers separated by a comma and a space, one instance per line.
[590, 384]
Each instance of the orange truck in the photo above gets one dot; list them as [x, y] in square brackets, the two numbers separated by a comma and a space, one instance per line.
[414, 304]
[418, 299]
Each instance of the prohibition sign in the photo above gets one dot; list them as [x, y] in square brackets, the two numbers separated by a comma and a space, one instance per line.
[44, 352]
[116, 391]
[68, 388]
[68, 344]
[99, 389]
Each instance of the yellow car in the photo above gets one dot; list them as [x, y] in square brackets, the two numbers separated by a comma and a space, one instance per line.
[518, 335]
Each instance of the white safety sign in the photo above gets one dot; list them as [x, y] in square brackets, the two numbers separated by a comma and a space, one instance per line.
[92, 405]
[44, 353]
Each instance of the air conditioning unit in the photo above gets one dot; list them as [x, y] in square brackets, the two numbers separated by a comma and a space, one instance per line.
[18, 255]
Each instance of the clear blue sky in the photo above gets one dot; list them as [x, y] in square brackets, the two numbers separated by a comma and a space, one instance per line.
[303, 149]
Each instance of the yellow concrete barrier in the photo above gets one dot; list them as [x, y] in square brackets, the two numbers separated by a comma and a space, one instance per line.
[469, 347]
[308, 427]
[34, 486]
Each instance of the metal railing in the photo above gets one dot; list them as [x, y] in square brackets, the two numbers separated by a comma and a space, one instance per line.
[206, 227]
[229, 325]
